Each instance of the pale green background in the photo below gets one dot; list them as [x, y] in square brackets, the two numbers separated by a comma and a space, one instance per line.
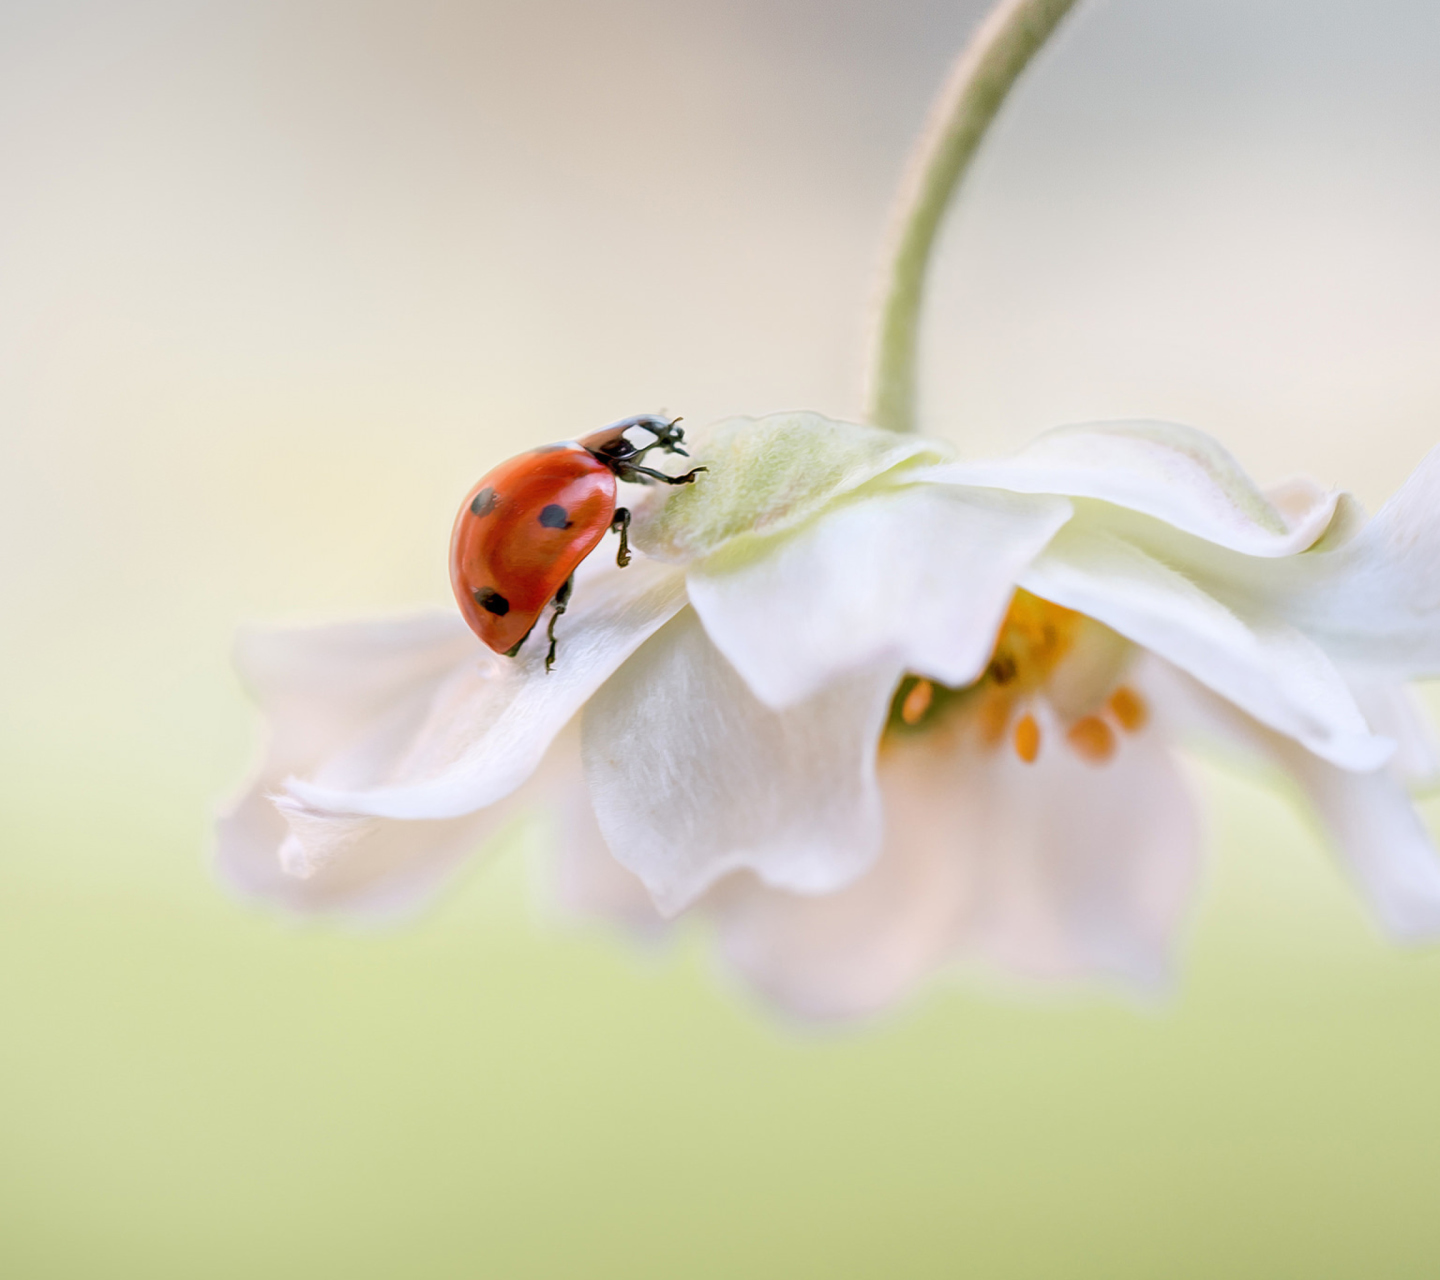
[277, 282]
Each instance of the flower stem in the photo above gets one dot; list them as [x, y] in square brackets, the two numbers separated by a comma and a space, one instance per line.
[981, 79]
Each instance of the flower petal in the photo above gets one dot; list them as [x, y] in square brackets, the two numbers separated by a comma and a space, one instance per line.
[1369, 817]
[1394, 711]
[323, 863]
[1373, 822]
[1260, 663]
[322, 690]
[491, 720]
[1173, 473]
[584, 879]
[920, 575]
[1374, 601]
[692, 777]
[770, 474]
[1059, 869]
[1368, 594]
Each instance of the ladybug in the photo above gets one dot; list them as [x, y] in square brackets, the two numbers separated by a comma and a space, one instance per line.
[525, 526]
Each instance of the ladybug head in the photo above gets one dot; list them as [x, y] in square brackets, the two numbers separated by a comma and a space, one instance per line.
[631, 439]
[668, 435]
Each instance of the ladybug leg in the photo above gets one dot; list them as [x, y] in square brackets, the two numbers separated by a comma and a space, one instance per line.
[645, 475]
[561, 603]
[621, 525]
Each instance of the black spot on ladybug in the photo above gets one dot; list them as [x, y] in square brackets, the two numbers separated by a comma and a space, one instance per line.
[484, 502]
[492, 601]
[555, 516]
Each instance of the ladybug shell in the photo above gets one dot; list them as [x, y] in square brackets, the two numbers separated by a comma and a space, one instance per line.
[521, 532]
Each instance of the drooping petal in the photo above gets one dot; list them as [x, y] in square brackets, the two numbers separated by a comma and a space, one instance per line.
[311, 862]
[1385, 845]
[1086, 869]
[1367, 593]
[323, 690]
[583, 877]
[1259, 662]
[920, 575]
[492, 718]
[692, 777]
[1393, 710]
[1174, 473]
[1369, 817]
[1374, 600]
[1058, 869]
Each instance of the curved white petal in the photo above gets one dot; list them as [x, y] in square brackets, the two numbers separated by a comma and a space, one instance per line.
[1084, 869]
[491, 720]
[310, 862]
[1263, 665]
[1373, 822]
[920, 575]
[1374, 601]
[1060, 869]
[321, 688]
[1369, 817]
[1173, 473]
[1393, 710]
[692, 777]
[582, 876]
[1367, 593]
[324, 690]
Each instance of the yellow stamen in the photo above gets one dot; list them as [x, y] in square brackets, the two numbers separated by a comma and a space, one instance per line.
[1092, 739]
[917, 702]
[1129, 708]
[1027, 738]
[1033, 639]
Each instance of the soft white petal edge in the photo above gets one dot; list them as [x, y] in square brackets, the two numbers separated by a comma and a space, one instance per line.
[919, 576]
[318, 863]
[692, 777]
[491, 721]
[323, 690]
[1369, 817]
[1056, 870]
[1267, 668]
[321, 687]
[1374, 601]
[1174, 473]
[582, 877]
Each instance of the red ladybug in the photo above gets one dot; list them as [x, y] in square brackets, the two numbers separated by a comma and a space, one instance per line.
[526, 525]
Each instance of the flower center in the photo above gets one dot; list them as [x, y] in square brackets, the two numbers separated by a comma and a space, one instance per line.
[1043, 651]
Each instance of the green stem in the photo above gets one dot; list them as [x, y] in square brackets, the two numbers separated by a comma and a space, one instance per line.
[981, 79]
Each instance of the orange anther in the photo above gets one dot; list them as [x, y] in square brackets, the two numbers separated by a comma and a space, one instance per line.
[917, 702]
[1027, 738]
[1129, 708]
[993, 715]
[1092, 739]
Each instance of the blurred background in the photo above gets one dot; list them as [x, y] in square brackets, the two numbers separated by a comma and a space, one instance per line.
[278, 281]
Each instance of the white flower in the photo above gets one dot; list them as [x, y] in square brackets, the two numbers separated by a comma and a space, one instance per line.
[393, 745]
[870, 710]
[1035, 815]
